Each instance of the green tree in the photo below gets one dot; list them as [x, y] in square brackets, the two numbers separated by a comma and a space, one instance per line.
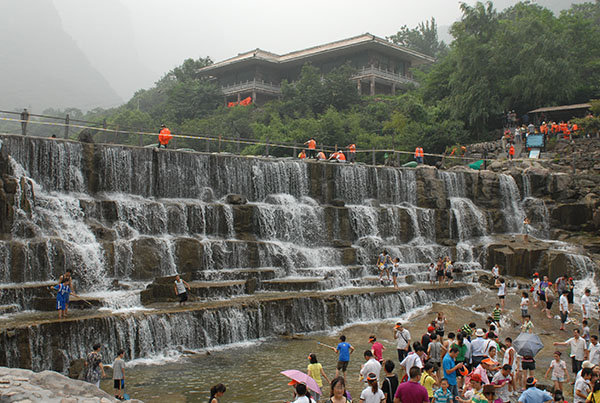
[423, 38]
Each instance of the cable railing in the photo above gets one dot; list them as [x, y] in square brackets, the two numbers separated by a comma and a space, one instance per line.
[102, 132]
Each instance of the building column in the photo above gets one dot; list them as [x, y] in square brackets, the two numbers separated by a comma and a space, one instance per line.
[358, 87]
[239, 97]
[372, 86]
[393, 88]
[254, 96]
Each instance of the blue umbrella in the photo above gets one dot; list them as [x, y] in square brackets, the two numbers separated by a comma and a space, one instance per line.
[528, 344]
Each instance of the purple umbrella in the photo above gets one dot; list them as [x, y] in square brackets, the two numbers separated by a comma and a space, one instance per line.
[301, 377]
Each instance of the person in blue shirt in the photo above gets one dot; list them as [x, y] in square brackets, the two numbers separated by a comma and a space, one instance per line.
[62, 297]
[344, 350]
[450, 367]
[533, 394]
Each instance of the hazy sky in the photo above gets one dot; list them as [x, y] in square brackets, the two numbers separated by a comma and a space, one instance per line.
[164, 33]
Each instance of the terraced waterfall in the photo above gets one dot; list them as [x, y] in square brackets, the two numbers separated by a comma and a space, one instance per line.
[270, 246]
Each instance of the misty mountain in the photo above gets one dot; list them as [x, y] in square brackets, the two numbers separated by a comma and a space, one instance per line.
[41, 64]
[109, 42]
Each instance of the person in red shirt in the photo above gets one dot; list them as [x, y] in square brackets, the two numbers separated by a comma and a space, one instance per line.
[412, 391]
[351, 152]
[511, 152]
[376, 348]
[312, 147]
[164, 136]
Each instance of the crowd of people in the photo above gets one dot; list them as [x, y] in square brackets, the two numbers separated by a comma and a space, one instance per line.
[474, 364]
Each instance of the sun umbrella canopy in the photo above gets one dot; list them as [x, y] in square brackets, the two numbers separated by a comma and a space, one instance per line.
[301, 377]
[528, 344]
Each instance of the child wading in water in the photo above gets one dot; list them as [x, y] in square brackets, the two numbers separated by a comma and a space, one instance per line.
[395, 271]
[62, 296]
[559, 371]
[315, 370]
[119, 375]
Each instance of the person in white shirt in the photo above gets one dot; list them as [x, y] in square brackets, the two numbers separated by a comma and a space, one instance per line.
[586, 304]
[372, 366]
[563, 307]
[496, 272]
[402, 335]
[181, 289]
[412, 359]
[478, 348]
[372, 393]
[501, 380]
[594, 350]
[582, 386]
[578, 350]
[536, 289]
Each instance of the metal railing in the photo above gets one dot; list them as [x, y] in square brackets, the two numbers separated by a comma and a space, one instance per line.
[102, 132]
[385, 74]
[251, 85]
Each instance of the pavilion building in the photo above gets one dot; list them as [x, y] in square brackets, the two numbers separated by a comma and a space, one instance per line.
[381, 68]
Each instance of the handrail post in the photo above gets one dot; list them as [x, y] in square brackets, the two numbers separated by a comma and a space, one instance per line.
[219, 143]
[267, 148]
[141, 140]
[117, 134]
[67, 126]
[237, 147]
[207, 145]
[373, 155]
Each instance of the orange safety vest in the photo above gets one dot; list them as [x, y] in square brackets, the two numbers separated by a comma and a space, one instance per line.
[419, 152]
[563, 127]
[340, 156]
[302, 155]
[352, 148]
[544, 129]
[575, 127]
[511, 150]
[312, 144]
[164, 136]
[321, 155]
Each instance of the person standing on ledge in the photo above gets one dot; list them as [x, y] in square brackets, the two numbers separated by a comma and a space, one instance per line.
[351, 152]
[312, 147]
[24, 120]
[164, 136]
[419, 155]
[68, 278]
[181, 289]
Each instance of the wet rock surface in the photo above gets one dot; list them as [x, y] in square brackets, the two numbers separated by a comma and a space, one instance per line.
[21, 385]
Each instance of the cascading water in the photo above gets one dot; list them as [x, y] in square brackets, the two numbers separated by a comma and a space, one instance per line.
[511, 200]
[536, 210]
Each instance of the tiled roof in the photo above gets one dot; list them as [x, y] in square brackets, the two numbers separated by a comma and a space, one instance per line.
[259, 54]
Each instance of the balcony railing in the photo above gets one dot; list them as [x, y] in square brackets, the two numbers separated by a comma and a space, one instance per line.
[384, 74]
[251, 85]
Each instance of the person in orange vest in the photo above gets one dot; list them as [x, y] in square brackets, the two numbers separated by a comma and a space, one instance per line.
[164, 136]
[312, 147]
[340, 157]
[302, 155]
[321, 156]
[511, 152]
[351, 152]
[419, 155]
[333, 156]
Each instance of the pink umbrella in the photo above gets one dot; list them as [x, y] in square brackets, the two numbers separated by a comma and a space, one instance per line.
[301, 377]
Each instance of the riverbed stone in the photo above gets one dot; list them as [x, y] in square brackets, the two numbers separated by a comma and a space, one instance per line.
[189, 254]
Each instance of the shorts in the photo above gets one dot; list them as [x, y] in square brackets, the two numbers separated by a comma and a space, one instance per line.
[394, 274]
[549, 304]
[119, 383]
[440, 274]
[342, 366]
[449, 276]
[440, 333]
[501, 296]
[524, 313]
[557, 379]
[183, 297]
[563, 317]
[528, 365]
[543, 297]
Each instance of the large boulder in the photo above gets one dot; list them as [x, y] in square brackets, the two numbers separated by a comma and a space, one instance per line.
[189, 254]
[147, 255]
